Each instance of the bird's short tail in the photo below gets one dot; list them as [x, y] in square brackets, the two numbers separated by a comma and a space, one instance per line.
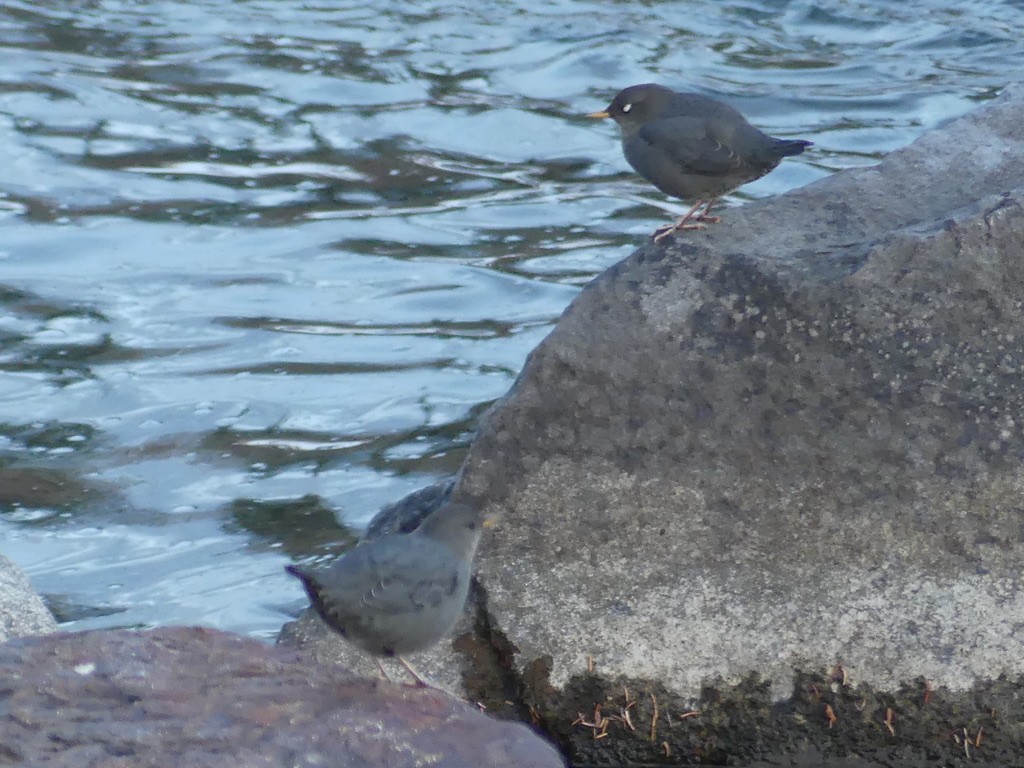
[788, 147]
[301, 574]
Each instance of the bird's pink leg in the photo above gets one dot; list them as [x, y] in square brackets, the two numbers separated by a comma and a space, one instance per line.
[683, 223]
[421, 682]
[705, 215]
[383, 671]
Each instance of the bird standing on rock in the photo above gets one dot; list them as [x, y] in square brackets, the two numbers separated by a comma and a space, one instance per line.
[692, 147]
[400, 592]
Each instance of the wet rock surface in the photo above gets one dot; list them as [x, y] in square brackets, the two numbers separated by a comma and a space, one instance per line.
[198, 697]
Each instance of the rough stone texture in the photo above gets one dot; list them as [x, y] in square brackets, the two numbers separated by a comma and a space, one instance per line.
[197, 697]
[792, 439]
[22, 611]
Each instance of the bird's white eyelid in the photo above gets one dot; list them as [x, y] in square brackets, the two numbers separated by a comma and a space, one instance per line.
[627, 107]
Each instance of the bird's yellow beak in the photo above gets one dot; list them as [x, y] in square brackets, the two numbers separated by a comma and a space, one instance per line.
[599, 115]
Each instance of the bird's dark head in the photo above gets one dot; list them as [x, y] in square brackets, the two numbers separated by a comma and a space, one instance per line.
[636, 105]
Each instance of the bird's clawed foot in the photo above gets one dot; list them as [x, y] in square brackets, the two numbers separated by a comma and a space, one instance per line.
[383, 672]
[705, 215]
[421, 682]
[691, 220]
[681, 225]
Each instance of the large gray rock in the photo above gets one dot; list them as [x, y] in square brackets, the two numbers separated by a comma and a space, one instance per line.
[790, 440]
[195, 697]
[22, 611]
[772, 472]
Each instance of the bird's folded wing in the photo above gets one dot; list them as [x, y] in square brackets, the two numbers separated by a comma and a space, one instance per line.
[427, 576]
[690, 144]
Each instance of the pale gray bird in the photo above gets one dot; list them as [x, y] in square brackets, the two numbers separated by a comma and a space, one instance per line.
[400, 592]
[692, 147]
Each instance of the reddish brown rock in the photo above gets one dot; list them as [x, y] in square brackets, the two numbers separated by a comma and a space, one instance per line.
[199, 697]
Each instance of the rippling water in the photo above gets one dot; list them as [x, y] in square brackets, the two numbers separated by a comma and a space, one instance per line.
[263, 264]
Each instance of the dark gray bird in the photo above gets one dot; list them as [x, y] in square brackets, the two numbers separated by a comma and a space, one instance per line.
[400, 592]
[692, 147]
